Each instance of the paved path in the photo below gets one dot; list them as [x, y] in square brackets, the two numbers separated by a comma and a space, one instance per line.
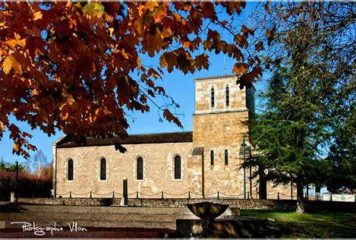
[93, 216]
[93, 233]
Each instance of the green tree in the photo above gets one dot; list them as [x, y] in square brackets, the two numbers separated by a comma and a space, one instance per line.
[341, 160]
[309, 95]
[288, 134]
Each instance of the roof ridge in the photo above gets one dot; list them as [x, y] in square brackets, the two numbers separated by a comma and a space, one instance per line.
[216, 76]
[167, 137]
[161, 133]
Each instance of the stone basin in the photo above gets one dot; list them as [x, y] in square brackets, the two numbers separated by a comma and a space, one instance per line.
[207, 210]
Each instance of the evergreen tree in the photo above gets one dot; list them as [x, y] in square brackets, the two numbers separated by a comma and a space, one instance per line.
[288, 134]
[341, 161]
[308, 115]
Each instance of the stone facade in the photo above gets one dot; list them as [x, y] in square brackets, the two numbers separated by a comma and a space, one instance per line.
[211, 155]
[157, 170]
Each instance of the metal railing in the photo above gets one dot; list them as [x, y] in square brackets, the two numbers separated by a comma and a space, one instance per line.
[191, 195]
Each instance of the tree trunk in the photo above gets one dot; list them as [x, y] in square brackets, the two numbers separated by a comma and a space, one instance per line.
[300, 198]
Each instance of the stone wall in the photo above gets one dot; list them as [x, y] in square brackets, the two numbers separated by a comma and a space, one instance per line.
[220, 128]
[281, 191]
[288, 205]
[217, 133]
[146, 202]
[158, 170]
[237, 96]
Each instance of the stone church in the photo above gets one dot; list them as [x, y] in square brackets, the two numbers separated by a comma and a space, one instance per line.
[203, 163]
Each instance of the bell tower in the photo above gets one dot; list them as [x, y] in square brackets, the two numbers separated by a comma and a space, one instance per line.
[220, 121]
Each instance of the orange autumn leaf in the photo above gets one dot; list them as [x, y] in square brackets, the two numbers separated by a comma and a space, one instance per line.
[186, 44]
[11, 63]
[17, 41]
[15, 148]
[240, 68]
[2, 126]
[60, 70]
[37, 15]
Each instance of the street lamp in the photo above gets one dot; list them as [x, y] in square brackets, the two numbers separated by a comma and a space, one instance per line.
[243, 147]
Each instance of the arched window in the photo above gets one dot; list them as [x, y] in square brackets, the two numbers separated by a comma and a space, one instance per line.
[212, 157]
[103, 169]
[139, 168]
[70, 169]
[227, 97]
[212, 97]
[177, 167]
[226, 157]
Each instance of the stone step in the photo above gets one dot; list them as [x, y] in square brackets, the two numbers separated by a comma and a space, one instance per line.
[37, 216]
[101, 209]
[87, 224]
[110, 217]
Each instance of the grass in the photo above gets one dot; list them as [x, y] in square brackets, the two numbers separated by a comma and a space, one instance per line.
[308, 225]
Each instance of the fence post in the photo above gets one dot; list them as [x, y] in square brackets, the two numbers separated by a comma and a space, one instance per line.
[189, 196]
[125, 191]
[70, 194]
[355, 197]
[248, 195]
[278, 196]
[162, 195]
[90, 196]
[113, 194]
[136, 194]
[17, 181]
[218, 195]
[331, 197]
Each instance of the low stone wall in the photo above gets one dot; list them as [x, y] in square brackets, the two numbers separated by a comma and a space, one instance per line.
[258, 204]
[146, 202]
[71, 201]
[234, 203]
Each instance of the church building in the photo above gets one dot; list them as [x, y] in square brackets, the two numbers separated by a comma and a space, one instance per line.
[203, 163]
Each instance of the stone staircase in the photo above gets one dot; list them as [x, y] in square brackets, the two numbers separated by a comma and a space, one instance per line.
[95, 216]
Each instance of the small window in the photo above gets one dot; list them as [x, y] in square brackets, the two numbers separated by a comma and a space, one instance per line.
[139, 168]
[227, 99]
[212, 158]
[103, 169]
[212, 97]
[226, 157]
[177, 167]
[70, 169]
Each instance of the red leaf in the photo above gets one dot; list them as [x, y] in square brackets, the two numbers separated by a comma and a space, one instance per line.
[171, 118]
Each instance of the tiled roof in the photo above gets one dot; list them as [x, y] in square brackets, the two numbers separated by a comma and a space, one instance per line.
[173, 137]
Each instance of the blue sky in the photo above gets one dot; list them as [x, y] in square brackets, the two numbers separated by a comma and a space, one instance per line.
[177, 85]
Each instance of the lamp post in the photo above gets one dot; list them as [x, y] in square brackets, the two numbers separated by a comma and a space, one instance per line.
[243, 146]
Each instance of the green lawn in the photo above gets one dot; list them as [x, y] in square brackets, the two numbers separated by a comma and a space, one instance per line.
[308, 225]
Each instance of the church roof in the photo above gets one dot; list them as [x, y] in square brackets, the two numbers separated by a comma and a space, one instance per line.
[216, 76]
[173, 137]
